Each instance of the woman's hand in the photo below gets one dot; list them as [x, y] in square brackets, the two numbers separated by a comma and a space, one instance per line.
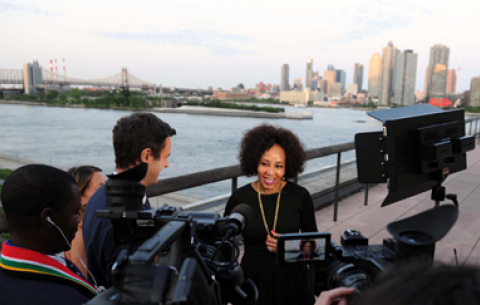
[271, 241]
[335, 296]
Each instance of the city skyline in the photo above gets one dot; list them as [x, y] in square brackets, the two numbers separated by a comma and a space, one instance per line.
[190, 44]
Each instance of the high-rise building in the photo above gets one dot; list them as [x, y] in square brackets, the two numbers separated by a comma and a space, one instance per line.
[405, 78]
[342, 79]
[32, 76]
[358, 76]
[438, 84]
[352, 89]
[315, 80]
[387, 77]
[297, 83]
[329, 76]
[284, 81]
[335, 90]
[475, 92]
[330, 68]
[322, 85]
[309, 74]
[374, 73]
[451, 81]
[439, 54]
[426, 84]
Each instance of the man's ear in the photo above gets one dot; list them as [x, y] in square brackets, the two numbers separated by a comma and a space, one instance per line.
[145, 155]
[44, 214]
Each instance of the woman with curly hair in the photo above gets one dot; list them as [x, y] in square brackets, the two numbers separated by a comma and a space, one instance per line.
[308, 250]
[274, 155]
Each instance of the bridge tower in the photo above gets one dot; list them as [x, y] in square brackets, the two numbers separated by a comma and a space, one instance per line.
[124, 78]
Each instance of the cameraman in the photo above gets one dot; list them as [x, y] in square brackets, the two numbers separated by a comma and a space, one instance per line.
[140, 137]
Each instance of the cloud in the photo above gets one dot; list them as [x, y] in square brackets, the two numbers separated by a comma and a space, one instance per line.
[377, 19]
[6, 8]
[216, 42]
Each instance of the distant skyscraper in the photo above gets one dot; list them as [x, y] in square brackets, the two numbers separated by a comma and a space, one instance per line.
[329, 76]
[297, 82]
[358, 76]
[439, 54]
[352, 89]
[309, 74]
[284, 85]
[330, 68]
[475, 92]
[426, 84]
[315, 80]
[406, 75]
[374, 73]
[335, 90]
[451, 81]
[342, 79]
[438, 84]
[387, 78]
[322, 85]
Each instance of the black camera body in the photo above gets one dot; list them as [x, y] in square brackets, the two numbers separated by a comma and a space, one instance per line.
[356, 263]
[170, 256]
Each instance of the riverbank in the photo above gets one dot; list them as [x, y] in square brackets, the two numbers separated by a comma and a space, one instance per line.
[235, 112]
[189, 110]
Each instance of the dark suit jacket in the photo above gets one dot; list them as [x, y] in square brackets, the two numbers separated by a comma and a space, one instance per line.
[98, 239]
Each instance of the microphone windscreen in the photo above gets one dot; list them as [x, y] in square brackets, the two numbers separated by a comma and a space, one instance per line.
[243, 209]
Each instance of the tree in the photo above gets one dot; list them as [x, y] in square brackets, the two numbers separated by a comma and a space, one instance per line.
[75, 94]
[51, 95]
[126, 93]
[63, 98]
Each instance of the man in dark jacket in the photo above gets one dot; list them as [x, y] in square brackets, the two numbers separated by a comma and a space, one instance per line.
[41, 204]
[140, 137]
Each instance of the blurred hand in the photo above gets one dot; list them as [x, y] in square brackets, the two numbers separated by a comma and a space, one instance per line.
[271, 242]
[335, 296]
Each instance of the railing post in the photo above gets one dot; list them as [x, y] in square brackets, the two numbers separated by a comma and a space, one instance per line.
[337, 186]
[471, 125]
[476, 125]
[366, 195]
[234, 184]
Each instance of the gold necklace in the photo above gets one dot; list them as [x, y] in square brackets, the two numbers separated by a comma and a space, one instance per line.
[276, 209]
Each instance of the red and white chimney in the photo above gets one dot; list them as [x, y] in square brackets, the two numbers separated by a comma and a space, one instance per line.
[56, 71]
[64, 71]
[51, 70]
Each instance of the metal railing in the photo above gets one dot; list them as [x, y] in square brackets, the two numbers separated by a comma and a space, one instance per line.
[174, 184]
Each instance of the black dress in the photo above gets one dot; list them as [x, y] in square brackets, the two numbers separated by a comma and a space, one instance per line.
[276, 284]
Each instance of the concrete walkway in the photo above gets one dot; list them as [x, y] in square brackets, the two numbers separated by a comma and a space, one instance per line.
[372, 220]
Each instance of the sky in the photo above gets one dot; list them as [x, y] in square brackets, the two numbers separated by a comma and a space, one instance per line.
[196, 44]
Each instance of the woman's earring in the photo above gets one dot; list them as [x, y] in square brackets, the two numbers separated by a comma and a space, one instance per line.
[283, 178]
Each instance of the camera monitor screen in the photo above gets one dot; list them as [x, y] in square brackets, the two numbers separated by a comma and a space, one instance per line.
[303, 248]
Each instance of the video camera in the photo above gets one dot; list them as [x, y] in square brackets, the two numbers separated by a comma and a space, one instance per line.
[416, 151]
[170, 256]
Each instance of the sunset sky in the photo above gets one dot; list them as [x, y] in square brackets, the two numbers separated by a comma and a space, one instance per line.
[197, 44]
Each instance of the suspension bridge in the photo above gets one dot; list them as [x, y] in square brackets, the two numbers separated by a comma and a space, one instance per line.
[34, 77]
[41, 78]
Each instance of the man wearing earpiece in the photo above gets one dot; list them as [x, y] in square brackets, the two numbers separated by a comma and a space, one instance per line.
[41, 204]
[140, 137]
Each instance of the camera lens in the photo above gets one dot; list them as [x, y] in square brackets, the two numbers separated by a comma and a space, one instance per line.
[342, 274]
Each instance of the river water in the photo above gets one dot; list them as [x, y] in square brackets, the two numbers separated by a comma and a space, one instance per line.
[69, 137]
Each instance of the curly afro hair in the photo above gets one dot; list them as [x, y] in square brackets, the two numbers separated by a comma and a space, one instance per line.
[258, 140]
